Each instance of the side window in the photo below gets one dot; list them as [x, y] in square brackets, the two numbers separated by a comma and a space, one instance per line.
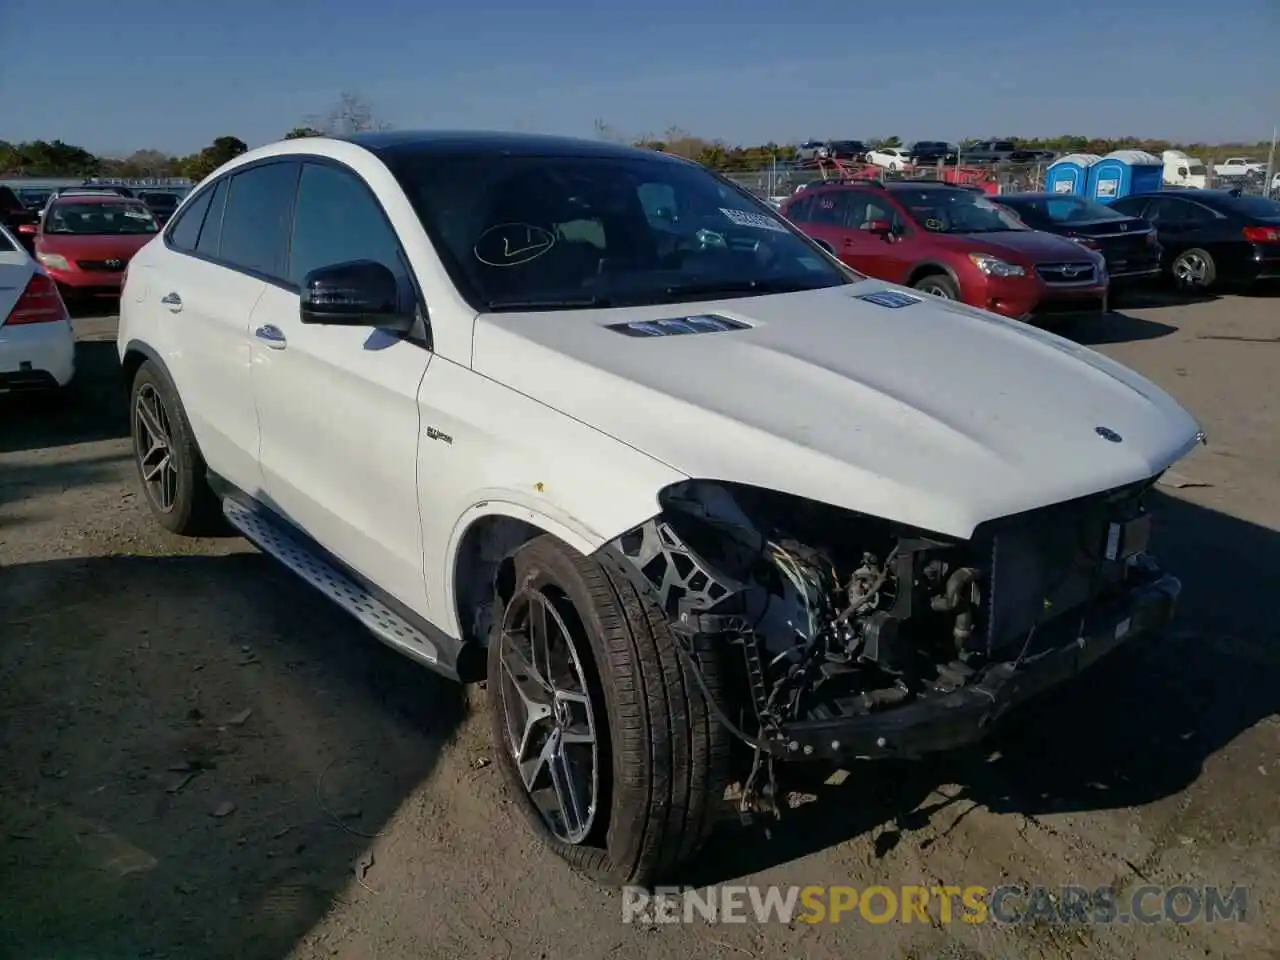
[211, 232]
[1197, 214]
[255, 224]
[186, 228]
[829, 208]
[799, 210]
[338, 220]
[658, 201]
[1166, 211]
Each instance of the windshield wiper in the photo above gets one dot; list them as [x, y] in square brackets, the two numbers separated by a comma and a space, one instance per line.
[513, 304]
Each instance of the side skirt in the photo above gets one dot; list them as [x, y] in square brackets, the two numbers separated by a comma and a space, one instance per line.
[389, 621]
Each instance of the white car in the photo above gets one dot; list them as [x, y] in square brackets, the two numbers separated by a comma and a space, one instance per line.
[37, 344]
[691, 496]
[890, 158]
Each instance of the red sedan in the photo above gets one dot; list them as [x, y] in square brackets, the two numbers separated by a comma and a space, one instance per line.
[86, 242]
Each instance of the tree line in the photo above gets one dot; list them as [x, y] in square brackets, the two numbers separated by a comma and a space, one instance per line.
[353, 114]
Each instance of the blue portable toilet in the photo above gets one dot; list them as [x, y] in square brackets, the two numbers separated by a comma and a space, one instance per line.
[1070, 174]
[1123, 172]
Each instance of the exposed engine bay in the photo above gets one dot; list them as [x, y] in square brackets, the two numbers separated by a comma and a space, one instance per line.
[837, 615]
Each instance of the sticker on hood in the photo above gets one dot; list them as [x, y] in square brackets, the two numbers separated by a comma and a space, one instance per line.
[893, 299]
[676, 326]
[745, 218]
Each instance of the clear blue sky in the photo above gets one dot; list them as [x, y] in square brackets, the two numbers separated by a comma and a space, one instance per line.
[173, 75]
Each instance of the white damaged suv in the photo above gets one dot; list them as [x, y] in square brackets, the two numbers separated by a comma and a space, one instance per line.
[596, 425]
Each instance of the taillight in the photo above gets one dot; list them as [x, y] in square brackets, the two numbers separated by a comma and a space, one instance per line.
[1262, 234]
[40, 302]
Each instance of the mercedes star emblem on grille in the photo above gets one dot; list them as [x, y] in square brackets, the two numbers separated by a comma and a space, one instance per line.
[1106, 433]
[1069, 271]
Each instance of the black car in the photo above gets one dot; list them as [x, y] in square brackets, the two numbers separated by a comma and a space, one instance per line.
[162, 203]
[1128, 244]
[931, 152]
[1212, 236]
[854, 150]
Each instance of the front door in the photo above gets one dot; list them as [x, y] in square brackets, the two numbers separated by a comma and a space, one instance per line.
[338, 406]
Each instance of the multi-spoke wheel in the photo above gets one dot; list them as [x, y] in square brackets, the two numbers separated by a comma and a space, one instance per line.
[939, 285]
[600, 727]
[156, 463]
[551, 729]
[169, 464]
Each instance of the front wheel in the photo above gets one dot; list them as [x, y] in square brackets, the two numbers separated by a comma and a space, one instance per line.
[600, 727]
[938, 285]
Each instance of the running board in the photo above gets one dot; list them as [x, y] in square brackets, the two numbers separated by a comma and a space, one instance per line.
[379, 619]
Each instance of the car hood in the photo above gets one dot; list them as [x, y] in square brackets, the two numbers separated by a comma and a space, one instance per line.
[931, 414]
[1035, 246]
[93, 247]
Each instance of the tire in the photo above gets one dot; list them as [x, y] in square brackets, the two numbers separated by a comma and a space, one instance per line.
[1194, 269]
[938, 285]
[178, 491]
[662, 761]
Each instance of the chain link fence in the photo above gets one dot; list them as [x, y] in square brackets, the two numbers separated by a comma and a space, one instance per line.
[783, 180]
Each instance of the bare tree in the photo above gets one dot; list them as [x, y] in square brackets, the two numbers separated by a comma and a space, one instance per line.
[608, 132]
[351, 114]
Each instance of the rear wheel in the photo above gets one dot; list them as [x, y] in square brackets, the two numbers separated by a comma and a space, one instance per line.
[601, 730]
[938, 285]
[1194, 270]
[170, 467]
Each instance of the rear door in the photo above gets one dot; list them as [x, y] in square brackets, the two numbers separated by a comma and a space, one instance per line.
[197, 303]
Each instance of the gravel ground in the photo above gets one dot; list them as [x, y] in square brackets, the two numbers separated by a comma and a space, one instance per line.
[202, 758]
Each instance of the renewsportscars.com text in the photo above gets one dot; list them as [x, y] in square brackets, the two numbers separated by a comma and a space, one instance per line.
[973, 904]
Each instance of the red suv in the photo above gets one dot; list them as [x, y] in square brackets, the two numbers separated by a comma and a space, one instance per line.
[951, 242]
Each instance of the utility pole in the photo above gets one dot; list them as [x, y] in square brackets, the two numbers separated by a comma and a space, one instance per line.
[1271, 163]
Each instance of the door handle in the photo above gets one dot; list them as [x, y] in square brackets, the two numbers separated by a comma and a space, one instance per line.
[172, 301]
[272, 336]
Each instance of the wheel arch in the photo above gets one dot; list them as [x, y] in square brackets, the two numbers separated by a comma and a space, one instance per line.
[931, 268]
[481, 547]
[135, 354]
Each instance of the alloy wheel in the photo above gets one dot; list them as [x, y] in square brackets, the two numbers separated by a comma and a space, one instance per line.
[1190, 270]
[548, 716]
[153, 445]
[937, 290]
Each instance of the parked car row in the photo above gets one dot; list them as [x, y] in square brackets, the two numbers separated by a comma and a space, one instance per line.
[1034, 256]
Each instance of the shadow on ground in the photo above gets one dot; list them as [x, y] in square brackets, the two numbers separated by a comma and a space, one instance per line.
[143, 699]
[1115, 327]
[94, 407]
[1139, 729]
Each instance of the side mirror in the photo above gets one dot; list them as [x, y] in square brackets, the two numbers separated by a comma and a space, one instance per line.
[825, 246]
[880, 228]
[360, 293]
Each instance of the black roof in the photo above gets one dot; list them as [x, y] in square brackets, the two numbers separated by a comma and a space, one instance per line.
[465, 142]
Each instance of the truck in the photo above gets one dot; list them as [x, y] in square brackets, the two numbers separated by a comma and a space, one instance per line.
[1181, 170]
[1240, 167]
[996, 151]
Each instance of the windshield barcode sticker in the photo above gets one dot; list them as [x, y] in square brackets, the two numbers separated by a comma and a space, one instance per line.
[745, 218]
[892, 299]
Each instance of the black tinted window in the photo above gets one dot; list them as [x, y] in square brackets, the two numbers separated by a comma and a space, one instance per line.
[255, 225]
[798, 210]
[338, 220]
[212, 231]
[186, 228]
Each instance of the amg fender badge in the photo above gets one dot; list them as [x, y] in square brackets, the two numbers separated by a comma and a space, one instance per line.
[1106, 433]
[434, 434]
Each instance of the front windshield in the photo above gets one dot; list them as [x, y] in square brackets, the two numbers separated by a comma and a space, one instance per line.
[99, 218]
[942, 210]
[1196, 169]
[1064, 210]
[545, 233]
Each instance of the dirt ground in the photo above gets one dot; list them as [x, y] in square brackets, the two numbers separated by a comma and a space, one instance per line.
[202, 758]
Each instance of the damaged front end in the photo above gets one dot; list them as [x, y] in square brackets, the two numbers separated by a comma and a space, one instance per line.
[856, 637]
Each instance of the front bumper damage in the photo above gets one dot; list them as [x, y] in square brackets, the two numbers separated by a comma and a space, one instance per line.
[966, 715]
